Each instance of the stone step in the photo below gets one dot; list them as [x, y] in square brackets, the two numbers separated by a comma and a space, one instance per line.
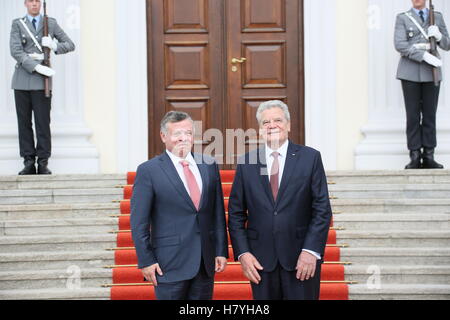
[58, 226]
[72, 277]
[54, 260]
[57, 294]
[396, 256]
[424, 206]
[399, 221]
[398, 274]
[58, 211]
[395, 238]
[44, 196]
[389, 177]
[62, 181]
[390, 191]
[67, 243]
[400, 292]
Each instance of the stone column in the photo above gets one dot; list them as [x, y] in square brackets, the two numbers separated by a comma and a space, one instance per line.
[320, 78]
[71, 151]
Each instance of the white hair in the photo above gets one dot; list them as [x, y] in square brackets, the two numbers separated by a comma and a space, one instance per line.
[270, 105]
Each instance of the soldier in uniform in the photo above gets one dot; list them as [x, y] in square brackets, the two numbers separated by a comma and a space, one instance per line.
[412, 40]
[26, 44]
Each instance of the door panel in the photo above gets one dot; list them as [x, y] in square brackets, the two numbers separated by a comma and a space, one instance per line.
[191, 47]
[265, 35]
[185, 64]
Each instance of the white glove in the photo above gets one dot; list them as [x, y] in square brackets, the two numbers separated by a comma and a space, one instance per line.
[432, 60]
[50, 43]
[422, 46]
[37, 56]
[46, 71]
[433, 31]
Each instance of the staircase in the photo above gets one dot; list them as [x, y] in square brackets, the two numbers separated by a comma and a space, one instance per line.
[57, 232]
[54, 232]
[397, 230]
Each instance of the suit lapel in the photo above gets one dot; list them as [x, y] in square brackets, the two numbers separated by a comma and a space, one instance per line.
[172, 174]
[264, 174]
[30, 26]
[292, 157]
[41, 25]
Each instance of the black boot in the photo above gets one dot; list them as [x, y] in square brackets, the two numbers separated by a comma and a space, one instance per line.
[415, 160]
[30, 168]
[42, 166]
[428, 160]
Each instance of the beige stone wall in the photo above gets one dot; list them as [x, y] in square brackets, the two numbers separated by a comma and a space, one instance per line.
[98, 45]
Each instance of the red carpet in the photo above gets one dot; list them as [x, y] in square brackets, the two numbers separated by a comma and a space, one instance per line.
[128, 281]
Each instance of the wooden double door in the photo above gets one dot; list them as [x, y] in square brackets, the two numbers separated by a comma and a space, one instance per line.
[218, 60]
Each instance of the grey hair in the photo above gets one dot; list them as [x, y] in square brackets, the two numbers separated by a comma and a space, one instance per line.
[173, 117]
[270, 105]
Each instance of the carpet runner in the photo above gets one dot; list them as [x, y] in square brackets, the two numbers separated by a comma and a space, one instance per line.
[128, 281]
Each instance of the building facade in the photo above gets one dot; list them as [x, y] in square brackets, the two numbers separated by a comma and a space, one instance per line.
[351, 107]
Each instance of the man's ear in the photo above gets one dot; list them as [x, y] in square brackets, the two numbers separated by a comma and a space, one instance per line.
[163, 137]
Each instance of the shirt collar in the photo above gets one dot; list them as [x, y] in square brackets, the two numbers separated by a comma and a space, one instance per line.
[38, 17]
[425, 11]
[281, 150]
[176, 160]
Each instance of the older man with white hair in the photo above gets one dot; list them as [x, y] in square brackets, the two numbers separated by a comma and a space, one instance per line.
[280, 213]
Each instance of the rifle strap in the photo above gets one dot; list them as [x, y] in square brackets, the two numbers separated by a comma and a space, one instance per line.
[408, 14]
[36, 43]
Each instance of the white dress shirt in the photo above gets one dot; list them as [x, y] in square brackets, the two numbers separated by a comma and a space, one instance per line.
[282, 151]
[192, 166]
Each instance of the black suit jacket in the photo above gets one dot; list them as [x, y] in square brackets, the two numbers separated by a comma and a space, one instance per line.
[166, 227]
[278, 230]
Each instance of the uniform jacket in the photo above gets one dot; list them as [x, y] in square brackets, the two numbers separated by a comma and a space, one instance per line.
[21, 44]
[412, 67]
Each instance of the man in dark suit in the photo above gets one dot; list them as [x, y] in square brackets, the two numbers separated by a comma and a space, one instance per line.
[178, 217]
[280, 213]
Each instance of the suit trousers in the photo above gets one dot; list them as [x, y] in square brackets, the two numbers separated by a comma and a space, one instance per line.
[421, 101]
[201, 287]
[281, 284]
[27, 104]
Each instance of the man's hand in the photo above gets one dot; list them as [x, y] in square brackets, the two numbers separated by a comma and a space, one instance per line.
[150, 273]
[250, 267]
[433, 31]
[46, 71]
[432, 60]
[221, 264]
[306, 266]
[50, 43]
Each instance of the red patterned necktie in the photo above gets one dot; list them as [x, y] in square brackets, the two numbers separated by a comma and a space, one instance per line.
[274, 175]
[194, 190]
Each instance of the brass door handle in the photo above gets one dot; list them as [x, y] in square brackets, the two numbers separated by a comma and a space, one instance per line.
[236, 60]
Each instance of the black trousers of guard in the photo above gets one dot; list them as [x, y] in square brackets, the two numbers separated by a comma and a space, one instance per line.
[27, 104]
[421, 102]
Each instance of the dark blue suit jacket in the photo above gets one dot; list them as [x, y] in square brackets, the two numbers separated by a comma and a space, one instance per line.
[277, 231]
[166, 227]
